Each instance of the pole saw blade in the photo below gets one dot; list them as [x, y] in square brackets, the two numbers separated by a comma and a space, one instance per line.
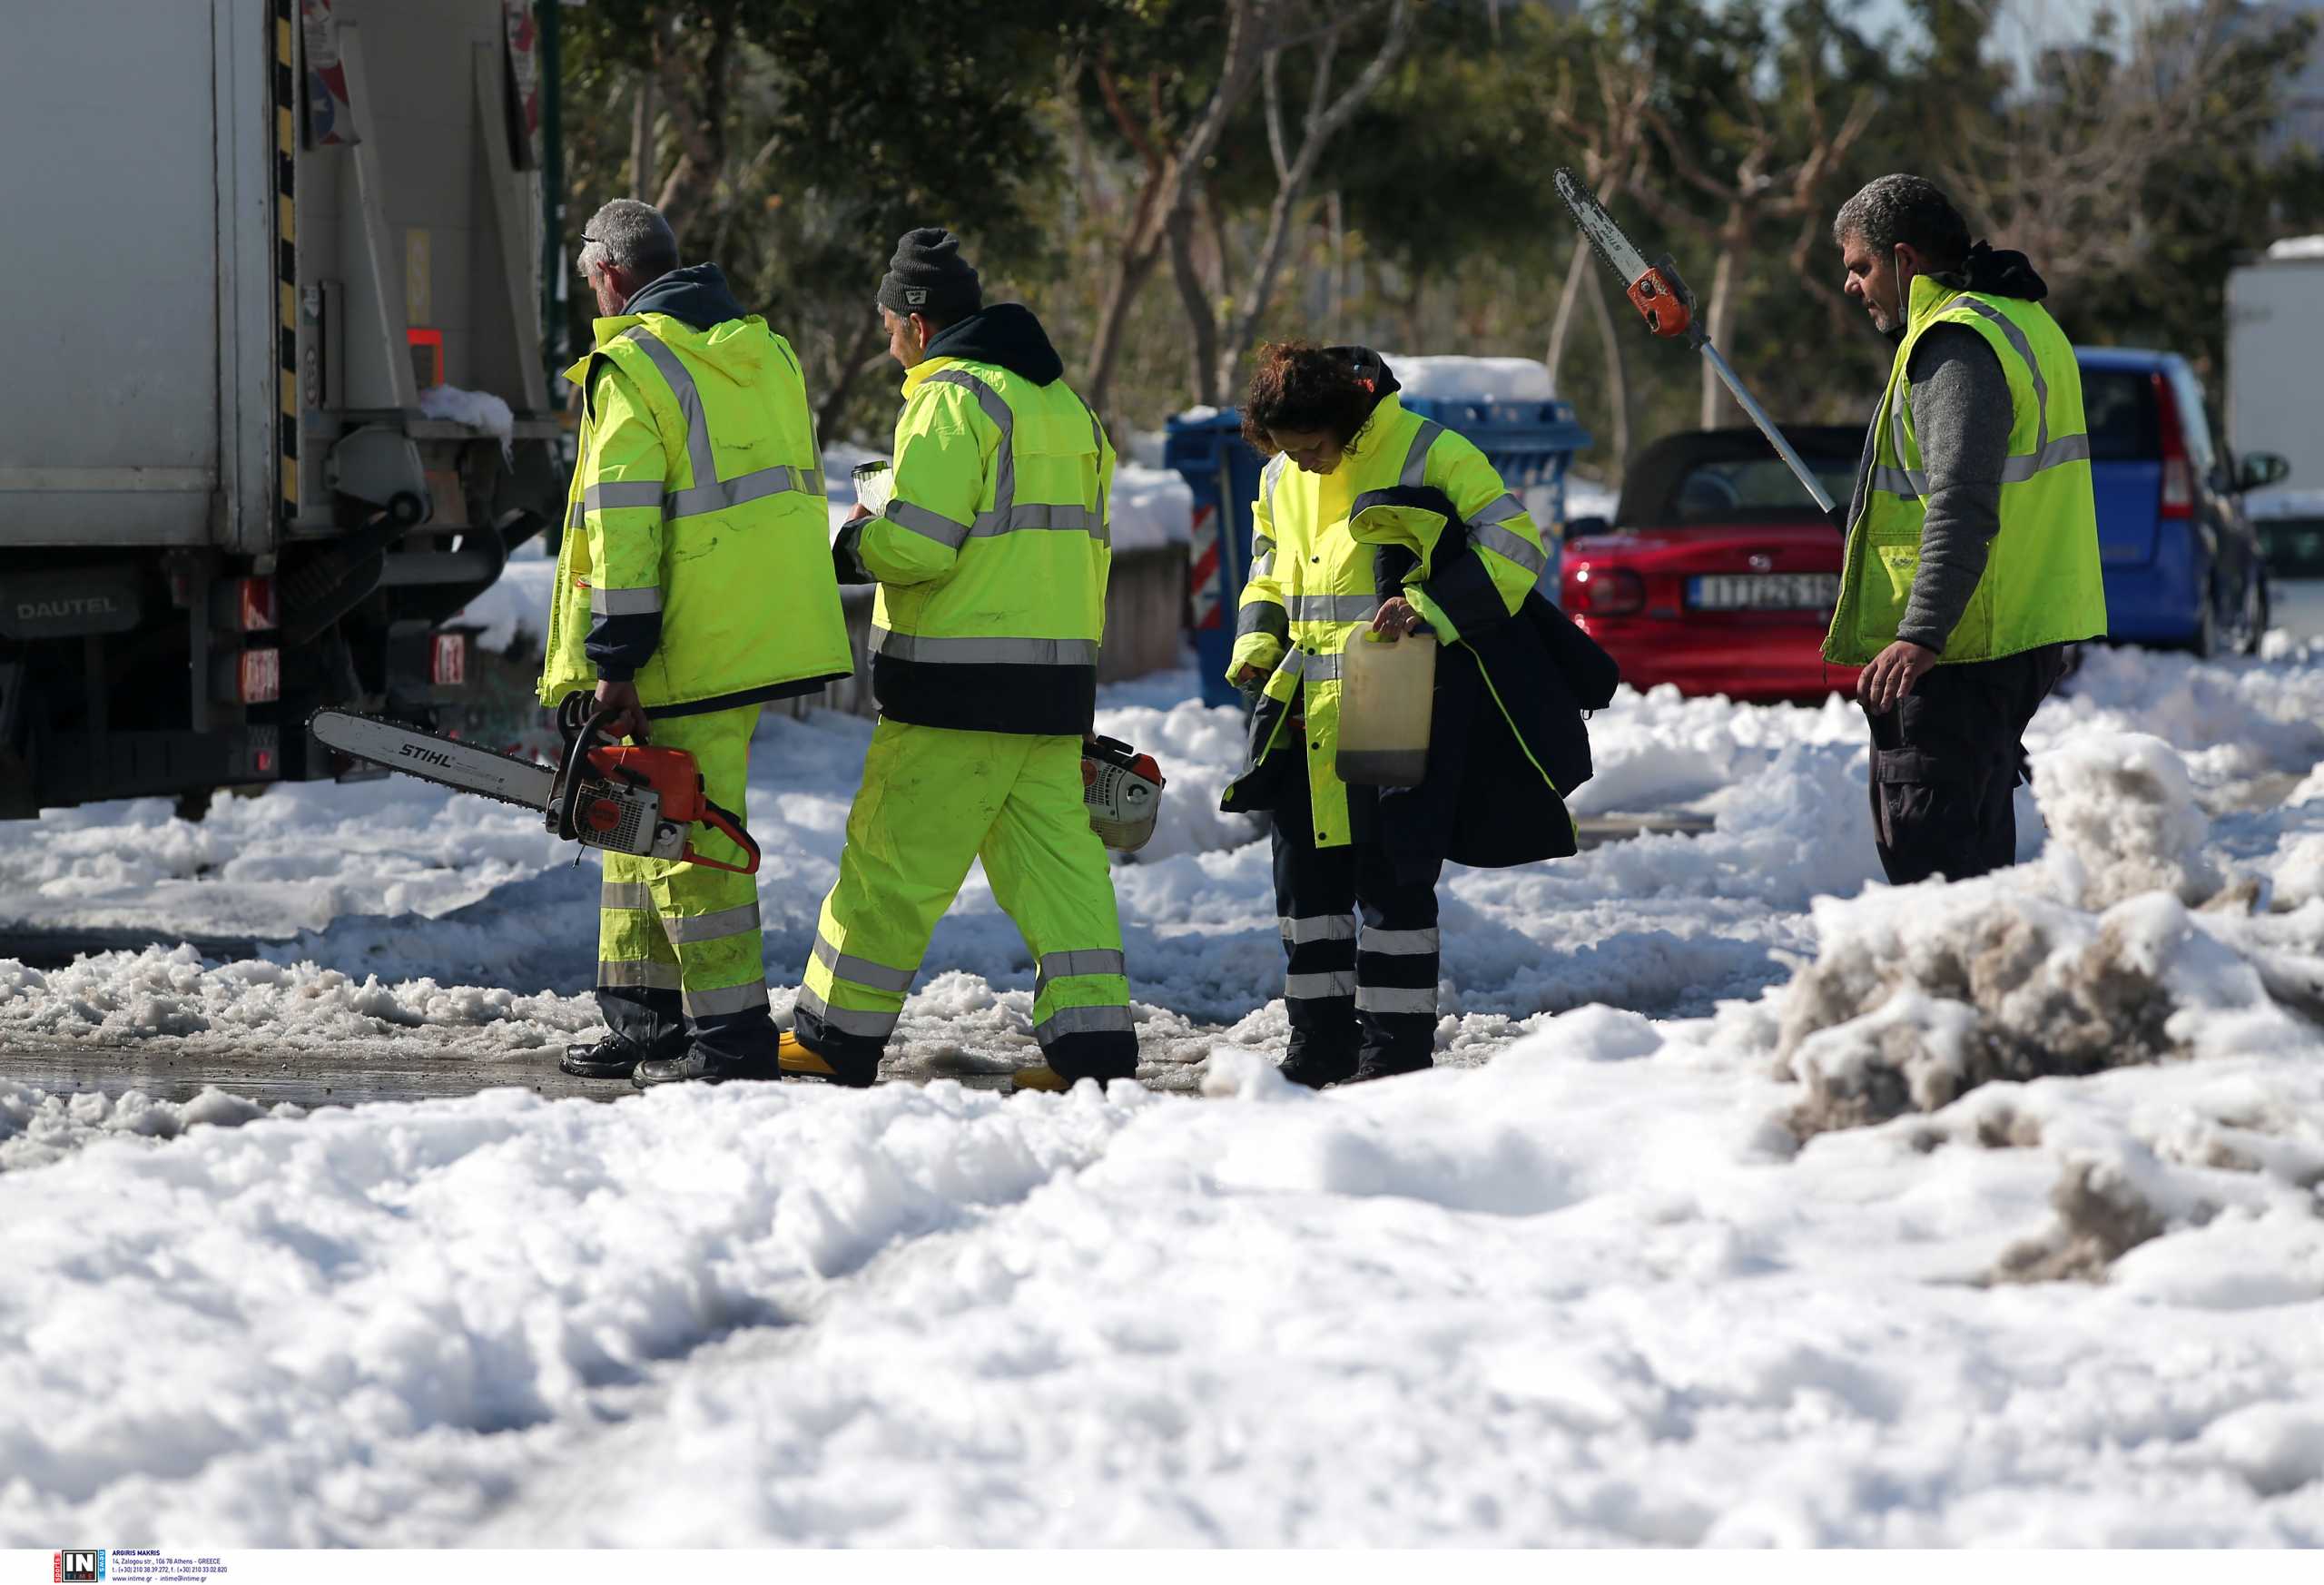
[1669, 307]
[1598, 227]
[1654, 289]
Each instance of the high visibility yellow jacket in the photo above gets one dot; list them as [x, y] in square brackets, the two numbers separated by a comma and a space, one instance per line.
[1314, 585]
[993, 555]
[696, 559]
[2043, 582]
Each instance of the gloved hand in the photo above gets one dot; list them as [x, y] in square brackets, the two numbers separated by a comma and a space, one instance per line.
[1839, 518]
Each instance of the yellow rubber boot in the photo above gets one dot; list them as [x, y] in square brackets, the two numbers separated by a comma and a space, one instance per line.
[798, 1062]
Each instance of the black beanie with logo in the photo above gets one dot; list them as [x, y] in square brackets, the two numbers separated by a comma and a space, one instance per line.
[928, 276]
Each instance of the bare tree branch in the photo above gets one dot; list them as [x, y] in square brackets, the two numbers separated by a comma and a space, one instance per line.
[1325, 117]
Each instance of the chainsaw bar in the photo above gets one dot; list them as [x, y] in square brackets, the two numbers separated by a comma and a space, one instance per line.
[1606, 238]
[445, 761]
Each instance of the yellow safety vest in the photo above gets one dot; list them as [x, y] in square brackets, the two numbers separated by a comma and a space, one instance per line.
[2043, 582]
[1312, 583]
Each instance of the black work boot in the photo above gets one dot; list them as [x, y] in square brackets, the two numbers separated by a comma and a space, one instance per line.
[614, 1057]
[1316, 1065]
[1388, 1064]
[697, 1063]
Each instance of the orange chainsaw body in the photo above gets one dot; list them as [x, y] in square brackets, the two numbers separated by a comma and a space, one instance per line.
[637, 799]
[1668, 306]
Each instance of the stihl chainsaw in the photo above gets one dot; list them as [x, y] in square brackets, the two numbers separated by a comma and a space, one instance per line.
[641, 800]
[1122, 790]
[1669, 307]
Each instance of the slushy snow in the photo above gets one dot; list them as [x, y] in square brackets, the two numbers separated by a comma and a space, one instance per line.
[1753, 1201]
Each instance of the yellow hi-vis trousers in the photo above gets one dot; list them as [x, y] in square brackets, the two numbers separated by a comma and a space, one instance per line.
[679, 957]
[933, 801]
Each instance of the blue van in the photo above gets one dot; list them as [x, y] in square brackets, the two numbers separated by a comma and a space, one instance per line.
[2183, 565]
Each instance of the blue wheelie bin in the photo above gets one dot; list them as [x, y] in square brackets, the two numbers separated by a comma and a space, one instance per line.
[1529, 443]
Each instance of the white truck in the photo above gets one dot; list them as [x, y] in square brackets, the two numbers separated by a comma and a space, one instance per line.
[275, 408]
[2275, 390]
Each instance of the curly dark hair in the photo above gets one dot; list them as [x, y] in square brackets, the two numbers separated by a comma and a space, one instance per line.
[1300, 386]
[1905, 208]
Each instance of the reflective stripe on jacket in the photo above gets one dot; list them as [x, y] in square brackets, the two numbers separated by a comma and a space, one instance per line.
[1312, 583]
[696, 559]
[2043, 582]
[992, 556]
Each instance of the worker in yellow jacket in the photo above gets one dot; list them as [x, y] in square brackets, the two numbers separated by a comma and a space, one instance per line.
[991, 561]
[1371, 525]
[694, 584]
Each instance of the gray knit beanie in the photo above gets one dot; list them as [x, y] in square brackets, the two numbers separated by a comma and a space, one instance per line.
[928, 276]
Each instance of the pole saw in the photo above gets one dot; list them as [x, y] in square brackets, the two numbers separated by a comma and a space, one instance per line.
[1662, 296]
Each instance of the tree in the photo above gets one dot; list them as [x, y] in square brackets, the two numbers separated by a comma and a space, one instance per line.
[2065, 171]
[1754, 174]
[1609, 139]
[799, 140]
[1171, 118]
[1294, 168]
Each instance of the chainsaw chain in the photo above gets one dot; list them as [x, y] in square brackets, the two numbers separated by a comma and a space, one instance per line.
[439, 737]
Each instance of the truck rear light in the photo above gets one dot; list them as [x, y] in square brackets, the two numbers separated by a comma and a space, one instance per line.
[246, 604]
[448, 661]
[2177, 495]
[258, 677]
[1604, 591]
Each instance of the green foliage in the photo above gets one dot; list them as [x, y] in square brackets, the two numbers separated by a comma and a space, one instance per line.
[1025, 125]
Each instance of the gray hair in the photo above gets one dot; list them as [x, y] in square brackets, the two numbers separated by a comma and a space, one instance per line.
[1902, 208]
[631, 235]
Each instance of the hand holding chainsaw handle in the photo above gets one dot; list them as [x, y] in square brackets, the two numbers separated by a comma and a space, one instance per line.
[623, 711]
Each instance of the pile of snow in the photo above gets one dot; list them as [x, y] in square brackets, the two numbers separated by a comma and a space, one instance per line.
[478, 409]
[2095, 958]
[1586, 497]
[38, 1128]
[1472, 379]
[1975, 1212]
[1593, 1293]
[1152, 507]
[2297, 248]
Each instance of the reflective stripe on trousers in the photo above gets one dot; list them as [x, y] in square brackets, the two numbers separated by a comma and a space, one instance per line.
[934, 801]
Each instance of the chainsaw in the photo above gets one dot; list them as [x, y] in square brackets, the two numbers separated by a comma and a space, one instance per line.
[625, 799]
[1669, 307]
[1122, 790]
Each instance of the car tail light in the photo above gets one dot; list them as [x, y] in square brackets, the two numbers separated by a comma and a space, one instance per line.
[2178, 473]
[1597, 591]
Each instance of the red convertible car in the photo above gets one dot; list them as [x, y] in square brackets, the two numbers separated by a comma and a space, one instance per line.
[1717, 573]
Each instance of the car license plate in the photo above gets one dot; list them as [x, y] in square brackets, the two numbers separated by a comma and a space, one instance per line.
[1764, 591]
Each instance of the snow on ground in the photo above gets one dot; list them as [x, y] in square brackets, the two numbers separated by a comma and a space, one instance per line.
[1978, 1212]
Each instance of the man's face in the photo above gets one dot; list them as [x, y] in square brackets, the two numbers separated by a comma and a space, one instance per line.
[1315, 450]
[603, 280]
[905, 344]
[1875, 281]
